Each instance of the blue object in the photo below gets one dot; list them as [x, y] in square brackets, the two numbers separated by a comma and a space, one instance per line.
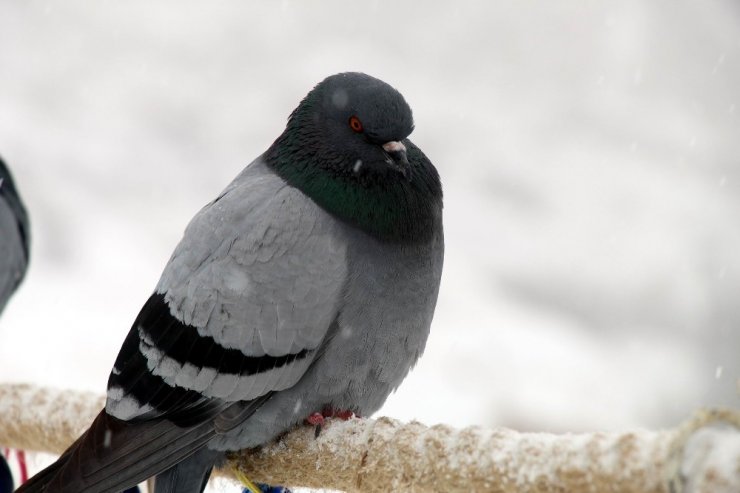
[266, 488]
[135, 489]
[6, 478]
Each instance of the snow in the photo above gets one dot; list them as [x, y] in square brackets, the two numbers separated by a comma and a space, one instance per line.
[589, 155]
[711, 457]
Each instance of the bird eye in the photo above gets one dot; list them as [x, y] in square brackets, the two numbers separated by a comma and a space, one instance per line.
[355, 124]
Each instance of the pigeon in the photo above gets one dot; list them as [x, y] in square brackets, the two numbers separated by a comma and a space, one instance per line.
[14, 247]
[14, 237]
[305, 289]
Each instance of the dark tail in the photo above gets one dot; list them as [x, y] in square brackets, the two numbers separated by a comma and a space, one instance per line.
[39, 481]
[113, 455]
[190, 475]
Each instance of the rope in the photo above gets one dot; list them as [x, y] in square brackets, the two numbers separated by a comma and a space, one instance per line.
[363, 455]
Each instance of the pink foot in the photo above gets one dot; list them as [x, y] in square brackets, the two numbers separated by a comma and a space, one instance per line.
[316, 419]
[343, 415]
[330, 412]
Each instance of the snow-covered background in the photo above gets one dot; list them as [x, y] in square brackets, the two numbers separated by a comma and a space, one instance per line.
[590, 154]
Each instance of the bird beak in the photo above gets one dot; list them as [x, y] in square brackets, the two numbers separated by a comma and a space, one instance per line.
[397, 152]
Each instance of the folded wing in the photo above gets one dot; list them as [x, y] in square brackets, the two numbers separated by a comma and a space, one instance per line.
[240, 312]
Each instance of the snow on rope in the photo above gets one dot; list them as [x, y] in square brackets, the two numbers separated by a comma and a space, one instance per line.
[363, 455]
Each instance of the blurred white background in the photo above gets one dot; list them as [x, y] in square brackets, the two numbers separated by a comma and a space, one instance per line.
[590, 154]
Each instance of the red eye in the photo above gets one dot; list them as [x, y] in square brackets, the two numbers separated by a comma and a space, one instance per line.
[355, 124]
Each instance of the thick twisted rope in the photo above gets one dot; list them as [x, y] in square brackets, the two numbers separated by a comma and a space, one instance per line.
[700, 456]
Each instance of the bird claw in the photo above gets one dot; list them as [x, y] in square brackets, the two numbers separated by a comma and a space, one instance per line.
[343, 415]
[315, 419]
[318, 419]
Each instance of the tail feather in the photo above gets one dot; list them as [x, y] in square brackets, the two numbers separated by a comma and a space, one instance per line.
[190, 475]
[114, 455]
[39, 481]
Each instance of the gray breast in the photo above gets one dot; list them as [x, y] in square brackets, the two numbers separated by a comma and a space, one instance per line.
[380, 332]
[384, 323]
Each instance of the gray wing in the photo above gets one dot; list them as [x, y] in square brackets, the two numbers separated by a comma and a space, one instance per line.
[241, 308]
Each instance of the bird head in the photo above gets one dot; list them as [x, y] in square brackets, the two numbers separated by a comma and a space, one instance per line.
[346, 147]
[359, 122]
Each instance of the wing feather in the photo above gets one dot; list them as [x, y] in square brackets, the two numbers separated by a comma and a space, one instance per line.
[240, 312]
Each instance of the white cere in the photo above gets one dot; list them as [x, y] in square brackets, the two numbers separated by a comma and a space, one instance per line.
[358, 166]
[340, 98]
[298, 406]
